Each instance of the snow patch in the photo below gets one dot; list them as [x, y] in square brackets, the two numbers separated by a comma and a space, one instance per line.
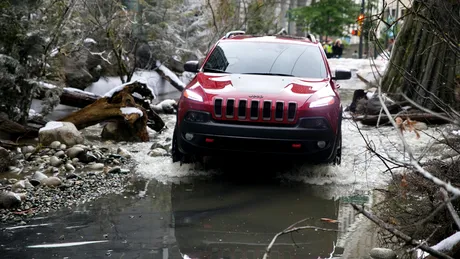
[90, 40]
[71, 89]
[47, 85]
[131, 110]
[120, 87]
[52, 125]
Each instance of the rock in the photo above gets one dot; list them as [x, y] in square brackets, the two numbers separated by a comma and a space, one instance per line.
[64, 132]
[13, 170]
[87, 157]
[9, 200]
[5, 160]
[420, 126]
[39, 176]
[382, 253]
[23, 184]
[158, 145]
[69, 167]
[60, 154]
[55, 161]
[74, 152]
[12, 181]
[51, 181]
[114, 170]
[63, 147]
[34, 182]
[28, 149]
[157, 152]
[75, 160]
[96, 166]
[72, 176]
[55, 144]
[123, 152]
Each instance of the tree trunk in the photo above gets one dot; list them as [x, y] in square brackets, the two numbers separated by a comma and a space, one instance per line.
[425, 57]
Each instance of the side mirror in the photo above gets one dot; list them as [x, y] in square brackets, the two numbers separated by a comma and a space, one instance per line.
[342, 74]
[192, 66]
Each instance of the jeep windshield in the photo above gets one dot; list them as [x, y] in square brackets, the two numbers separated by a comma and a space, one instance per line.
[266, 58]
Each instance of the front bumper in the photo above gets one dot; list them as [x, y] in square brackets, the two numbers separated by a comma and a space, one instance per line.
[216, 138]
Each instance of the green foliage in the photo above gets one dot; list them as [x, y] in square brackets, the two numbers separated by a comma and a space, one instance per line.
[326, 17]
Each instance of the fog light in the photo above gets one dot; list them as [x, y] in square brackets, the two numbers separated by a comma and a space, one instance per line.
[321, 144]
[188, 136]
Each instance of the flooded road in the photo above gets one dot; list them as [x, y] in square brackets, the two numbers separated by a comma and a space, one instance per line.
[230, 209]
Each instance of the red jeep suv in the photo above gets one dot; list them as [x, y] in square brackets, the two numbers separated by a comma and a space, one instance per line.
[261, 94]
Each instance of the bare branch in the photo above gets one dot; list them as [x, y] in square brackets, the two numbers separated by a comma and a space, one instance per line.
[451, 208]
[400, 234]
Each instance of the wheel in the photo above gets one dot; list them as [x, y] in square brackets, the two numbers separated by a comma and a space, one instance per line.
[176, 154]
[338, 149]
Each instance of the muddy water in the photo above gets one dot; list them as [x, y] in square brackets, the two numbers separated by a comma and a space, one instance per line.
[230, 209]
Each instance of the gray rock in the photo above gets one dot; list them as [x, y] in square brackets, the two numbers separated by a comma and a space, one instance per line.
[9, 200]
[158, 152]
[64, 132]
[75, 160]
[63, 147]
[5, 160]
[123, 152]
[51, 181]
[382, 253]
[39, 176]
[60, 154]
[69, 167]
[22, 184]
[12, 180]
[96, 166]
[55, 144]
[28, 149]
[115, 170]
[13, 170]
[87, 157]
[73, 152]
[55, 161]
[420, 126]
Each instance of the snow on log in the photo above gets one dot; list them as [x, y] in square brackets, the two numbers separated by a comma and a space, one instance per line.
[449, 246]
[169, 76]
[131, 110]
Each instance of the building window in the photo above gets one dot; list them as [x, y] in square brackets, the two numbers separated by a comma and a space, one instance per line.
[393, 12]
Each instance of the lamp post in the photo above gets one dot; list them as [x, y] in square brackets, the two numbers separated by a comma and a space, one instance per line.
[360, 52]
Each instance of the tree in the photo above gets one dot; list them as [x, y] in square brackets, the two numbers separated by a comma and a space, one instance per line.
[424, 64]
[327, 17]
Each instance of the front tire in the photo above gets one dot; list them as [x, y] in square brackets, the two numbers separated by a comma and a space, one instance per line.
[176, 154]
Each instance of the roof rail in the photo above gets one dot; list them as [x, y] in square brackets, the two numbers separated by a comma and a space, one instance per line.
[233, 33]
[312, 38]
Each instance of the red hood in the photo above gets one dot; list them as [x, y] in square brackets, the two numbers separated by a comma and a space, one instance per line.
[271, 87]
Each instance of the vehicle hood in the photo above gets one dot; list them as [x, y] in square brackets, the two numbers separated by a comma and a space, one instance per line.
[268, 86]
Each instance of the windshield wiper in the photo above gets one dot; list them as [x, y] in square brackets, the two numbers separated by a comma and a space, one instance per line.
[215, 70]
[268, 74]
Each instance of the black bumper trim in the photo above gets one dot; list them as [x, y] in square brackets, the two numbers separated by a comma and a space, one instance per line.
[230, 138]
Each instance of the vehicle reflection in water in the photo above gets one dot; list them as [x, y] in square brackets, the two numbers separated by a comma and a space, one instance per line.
[227, 220]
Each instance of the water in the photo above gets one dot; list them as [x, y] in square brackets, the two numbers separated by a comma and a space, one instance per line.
[231, 209]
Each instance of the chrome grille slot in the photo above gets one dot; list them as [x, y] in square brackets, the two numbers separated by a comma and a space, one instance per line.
[279, 111]
[292, 107]
[230, 109]
[267, 110]
[242, 109]
[218, 107]
[254, 110]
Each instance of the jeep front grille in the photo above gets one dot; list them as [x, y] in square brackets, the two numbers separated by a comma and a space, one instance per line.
[254, 110]
[218, 107]
[232, 109]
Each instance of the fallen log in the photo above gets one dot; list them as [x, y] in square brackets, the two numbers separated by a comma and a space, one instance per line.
[81, 99]
[117, 105]
[17, 130]
[372, 120]
[70, 96]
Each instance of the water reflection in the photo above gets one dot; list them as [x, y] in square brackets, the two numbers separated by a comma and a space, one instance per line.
[229, 216]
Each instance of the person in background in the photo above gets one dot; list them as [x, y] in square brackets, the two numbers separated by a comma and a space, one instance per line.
[355, 54]
[328, 49]
[390, 45]
[337, 49]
